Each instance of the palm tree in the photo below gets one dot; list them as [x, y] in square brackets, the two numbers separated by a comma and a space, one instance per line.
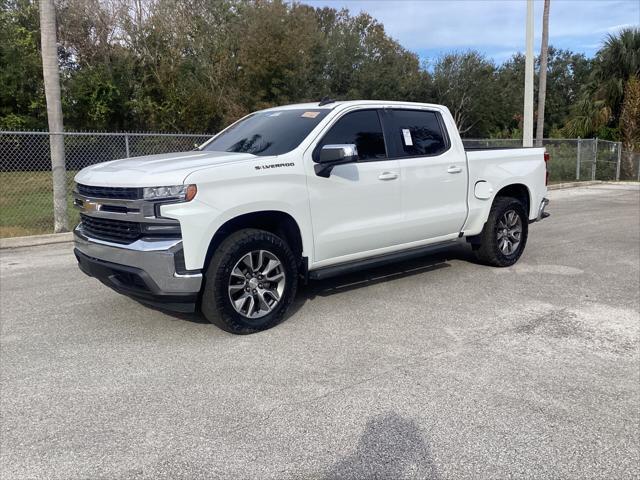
[542, 88]
[602, 99]
[54, 113]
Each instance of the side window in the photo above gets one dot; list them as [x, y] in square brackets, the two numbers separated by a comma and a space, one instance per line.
[361, 128]
[417, 132]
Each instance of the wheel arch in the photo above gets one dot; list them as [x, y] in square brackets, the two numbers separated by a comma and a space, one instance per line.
[277, 222]
[519, 191]
[479, 209]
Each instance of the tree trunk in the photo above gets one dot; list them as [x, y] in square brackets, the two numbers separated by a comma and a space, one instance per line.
[630, 127]
[51, 75]
[542, 81]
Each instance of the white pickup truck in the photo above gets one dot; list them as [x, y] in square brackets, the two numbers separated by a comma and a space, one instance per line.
[300, 192]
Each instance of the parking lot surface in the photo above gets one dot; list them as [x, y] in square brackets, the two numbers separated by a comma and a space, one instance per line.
[434, 368]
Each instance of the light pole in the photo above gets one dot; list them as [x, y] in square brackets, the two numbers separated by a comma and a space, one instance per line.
[527, 124]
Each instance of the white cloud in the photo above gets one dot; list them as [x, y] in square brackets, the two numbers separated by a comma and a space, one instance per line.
[493, 25]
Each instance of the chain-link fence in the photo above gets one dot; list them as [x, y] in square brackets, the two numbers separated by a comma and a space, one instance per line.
[26, 190]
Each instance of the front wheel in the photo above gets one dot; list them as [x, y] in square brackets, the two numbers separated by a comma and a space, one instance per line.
[504, 236]
[250, 282]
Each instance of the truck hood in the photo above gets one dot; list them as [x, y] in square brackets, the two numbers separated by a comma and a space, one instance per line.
[155, 170]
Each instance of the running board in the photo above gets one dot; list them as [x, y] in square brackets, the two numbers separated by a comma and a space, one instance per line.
[371, 262]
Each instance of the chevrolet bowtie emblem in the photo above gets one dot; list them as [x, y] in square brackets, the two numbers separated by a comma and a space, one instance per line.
[88, 206]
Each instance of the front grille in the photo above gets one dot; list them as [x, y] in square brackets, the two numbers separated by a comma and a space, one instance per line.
[112, 230]
[124, 193]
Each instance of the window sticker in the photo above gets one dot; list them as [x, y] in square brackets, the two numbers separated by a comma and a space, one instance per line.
[406, 133]
[310, 114]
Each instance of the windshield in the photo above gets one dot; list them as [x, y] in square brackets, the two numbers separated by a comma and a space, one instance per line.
[268, 133]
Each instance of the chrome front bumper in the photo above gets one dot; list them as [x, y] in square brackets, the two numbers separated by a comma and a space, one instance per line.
[144, 269]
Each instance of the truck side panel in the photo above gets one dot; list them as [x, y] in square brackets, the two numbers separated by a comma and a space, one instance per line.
[499, 169]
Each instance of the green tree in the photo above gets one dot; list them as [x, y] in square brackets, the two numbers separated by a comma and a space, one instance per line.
[599, 107]
[22, 103]
[567, 72]
[465, 83]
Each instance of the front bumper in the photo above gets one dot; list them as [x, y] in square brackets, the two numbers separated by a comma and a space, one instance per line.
[145, 270]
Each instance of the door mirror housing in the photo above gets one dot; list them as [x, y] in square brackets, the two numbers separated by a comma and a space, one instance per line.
[331, 155]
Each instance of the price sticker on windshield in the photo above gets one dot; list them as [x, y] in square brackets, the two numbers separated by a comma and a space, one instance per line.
[406, 133]
[310, 114]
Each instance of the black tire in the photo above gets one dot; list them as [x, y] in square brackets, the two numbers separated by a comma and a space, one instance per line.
[489, 252]
[216, 303]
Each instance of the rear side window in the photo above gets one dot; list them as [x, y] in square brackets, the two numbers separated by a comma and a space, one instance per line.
[417, 133]
[361, 128]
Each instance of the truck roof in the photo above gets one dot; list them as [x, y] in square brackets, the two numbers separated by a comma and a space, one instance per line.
[347, 103]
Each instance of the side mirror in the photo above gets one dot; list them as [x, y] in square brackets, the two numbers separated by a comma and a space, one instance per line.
[332, 155]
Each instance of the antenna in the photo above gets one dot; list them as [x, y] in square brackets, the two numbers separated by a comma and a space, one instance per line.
[325, 101]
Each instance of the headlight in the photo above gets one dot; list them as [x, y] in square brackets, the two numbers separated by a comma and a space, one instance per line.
[183, 193]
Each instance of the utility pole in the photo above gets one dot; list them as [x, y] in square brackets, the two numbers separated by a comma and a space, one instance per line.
[51, 74]
[542, 79]
[527, 126]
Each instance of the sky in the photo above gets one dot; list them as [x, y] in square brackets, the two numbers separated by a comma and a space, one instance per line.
[494, 27]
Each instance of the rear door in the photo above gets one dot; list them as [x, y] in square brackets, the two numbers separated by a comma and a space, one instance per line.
[434, 174]
[357, 209]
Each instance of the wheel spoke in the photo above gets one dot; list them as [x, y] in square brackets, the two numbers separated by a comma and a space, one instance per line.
[276, 277]
[272, 265]
[260, 260]
[248, 261]
[262, 302]
[239, 303]
[273, 294]
[237, 273]
[252, 303]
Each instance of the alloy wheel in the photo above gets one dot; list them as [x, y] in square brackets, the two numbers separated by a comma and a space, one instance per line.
[256, 284]
[509, 232]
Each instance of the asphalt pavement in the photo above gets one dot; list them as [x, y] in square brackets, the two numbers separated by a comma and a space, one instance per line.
[437, 368]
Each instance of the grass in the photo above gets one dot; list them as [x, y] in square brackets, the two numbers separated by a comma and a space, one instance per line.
[26, 203]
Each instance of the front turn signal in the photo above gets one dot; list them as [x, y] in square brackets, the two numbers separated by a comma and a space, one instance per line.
[190, 193]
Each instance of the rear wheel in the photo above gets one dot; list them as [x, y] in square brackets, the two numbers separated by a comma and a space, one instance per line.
[504, 236]
[250, 282]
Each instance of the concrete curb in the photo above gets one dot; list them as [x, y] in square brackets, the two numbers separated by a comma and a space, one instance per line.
[33, 240]
[558, 186]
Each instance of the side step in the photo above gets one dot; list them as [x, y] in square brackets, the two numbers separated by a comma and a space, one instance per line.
[343, 268]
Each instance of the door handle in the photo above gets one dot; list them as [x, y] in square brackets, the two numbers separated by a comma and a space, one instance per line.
[388, 176]
[454, 169]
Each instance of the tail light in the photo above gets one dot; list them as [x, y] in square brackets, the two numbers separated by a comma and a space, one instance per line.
[546, 167]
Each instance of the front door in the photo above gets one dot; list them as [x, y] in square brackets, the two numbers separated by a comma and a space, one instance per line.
[357, 209]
